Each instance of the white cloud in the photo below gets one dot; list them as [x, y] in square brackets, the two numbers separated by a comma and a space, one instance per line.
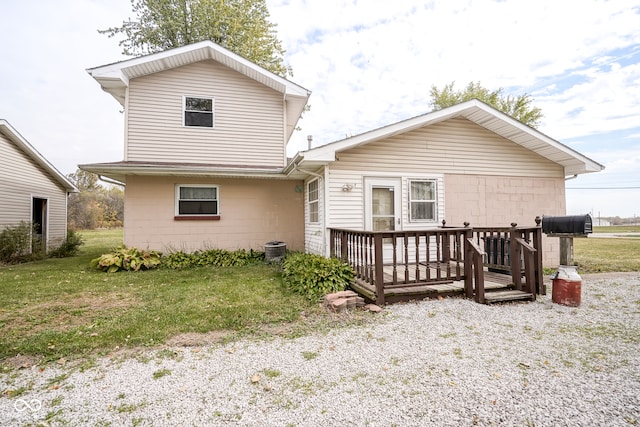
[368, 63]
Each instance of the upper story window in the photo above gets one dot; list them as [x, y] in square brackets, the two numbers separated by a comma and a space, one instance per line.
[198, 112]
[422, 200]
[197, 201]
[312, 191]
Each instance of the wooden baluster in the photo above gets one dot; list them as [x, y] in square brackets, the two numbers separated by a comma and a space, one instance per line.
[417, 257]
[406, 258]
[438, 257]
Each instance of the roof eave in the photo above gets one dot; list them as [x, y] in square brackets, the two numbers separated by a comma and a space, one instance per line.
[467, 110]
[119, 172]
[115, 77]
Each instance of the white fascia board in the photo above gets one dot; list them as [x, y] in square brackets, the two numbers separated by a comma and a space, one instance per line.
[139, 66]
[548, 145]
[11, 133]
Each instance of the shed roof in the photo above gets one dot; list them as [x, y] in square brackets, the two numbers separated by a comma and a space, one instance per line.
[14, 136]
[114, 78]
[478, 112]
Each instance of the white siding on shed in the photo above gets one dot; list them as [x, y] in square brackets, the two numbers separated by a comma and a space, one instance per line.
[21, 179]
[249, 124]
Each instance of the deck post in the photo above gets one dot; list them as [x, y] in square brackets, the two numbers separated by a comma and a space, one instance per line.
[379, 266]
[468, 264]
[541, 288]
[515, 251]
[344, 248]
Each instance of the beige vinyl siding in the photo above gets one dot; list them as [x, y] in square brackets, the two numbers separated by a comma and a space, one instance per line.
[346, 208]
[248, 118]
[314, 231]
[252, 212]
[453, 146]
[21, 179]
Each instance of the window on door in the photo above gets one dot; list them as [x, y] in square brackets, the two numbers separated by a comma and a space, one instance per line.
[382, 208]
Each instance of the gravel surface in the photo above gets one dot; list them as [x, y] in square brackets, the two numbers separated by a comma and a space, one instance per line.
[444, 363]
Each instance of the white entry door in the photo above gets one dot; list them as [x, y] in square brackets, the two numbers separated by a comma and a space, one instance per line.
[383, 209]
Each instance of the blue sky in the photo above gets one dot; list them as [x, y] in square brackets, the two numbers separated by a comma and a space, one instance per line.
[368, 63]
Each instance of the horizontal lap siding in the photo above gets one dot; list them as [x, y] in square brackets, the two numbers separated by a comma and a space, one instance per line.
[21, 179]
[453, 146]
[346, 207]
[248, 118]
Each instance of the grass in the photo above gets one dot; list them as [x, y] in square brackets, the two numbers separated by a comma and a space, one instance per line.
[595, 255]
[617, 229]
[61, 308]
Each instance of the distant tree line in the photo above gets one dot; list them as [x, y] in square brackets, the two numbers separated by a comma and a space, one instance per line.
[96, 205]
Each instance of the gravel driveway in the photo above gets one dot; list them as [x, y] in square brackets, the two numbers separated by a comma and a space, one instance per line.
[443, 363]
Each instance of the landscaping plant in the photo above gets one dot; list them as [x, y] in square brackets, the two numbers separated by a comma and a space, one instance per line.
[314, 276]
[127, 259]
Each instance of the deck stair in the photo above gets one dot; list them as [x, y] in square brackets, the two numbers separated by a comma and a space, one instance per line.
[505, 296]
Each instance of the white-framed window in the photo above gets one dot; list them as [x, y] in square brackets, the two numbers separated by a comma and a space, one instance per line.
[197, 200]
[312, 191]
[198, 111]
[423, 200]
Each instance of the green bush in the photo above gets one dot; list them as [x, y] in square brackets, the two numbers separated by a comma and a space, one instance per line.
[15, 242]
[211, 258]
[314, 276]
[127, 259]
[69, 247]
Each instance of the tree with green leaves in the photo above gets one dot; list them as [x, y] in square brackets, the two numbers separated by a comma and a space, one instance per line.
[519, 107]
[242, 26]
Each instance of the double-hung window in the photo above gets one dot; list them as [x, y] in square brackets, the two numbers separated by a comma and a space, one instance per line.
[312, 191]
[197, 201]
[198, 112]
[422, 200]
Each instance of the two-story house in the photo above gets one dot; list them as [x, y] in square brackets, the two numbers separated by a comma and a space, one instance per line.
[205, 162]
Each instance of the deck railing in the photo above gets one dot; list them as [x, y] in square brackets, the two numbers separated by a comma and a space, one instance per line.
[412, 258]
[514, 249]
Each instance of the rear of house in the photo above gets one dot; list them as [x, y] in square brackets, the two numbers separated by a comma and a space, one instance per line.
[205, 162]
[33, 190]
[205, 150]
[445, 165]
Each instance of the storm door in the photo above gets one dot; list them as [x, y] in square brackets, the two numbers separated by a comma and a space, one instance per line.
[383, 210]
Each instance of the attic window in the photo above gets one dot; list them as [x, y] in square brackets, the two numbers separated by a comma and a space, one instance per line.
[198, 112]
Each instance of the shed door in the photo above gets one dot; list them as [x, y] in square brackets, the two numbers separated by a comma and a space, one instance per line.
[39, 217]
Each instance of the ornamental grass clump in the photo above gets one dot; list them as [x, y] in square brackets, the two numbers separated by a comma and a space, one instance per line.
[314, 276]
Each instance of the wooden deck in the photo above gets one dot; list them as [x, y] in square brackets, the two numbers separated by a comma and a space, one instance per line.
[401, 265]
[498, 286]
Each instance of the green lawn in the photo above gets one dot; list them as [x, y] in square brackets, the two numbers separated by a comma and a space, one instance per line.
[62, 308]
[617, 229]
[594, 255]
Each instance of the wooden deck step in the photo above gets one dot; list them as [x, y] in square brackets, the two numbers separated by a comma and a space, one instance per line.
[503, 296]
